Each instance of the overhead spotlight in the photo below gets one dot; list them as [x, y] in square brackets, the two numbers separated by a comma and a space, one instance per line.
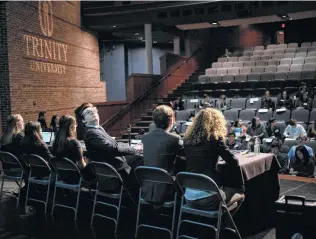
[284, 17]
[155, 42]
[136, 34]
[290, 18]
[214, 23]
[140, 38]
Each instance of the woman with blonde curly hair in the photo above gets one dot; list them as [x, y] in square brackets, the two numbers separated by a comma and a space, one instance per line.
[203, 144]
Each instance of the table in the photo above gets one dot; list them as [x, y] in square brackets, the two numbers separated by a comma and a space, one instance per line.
[258, 176]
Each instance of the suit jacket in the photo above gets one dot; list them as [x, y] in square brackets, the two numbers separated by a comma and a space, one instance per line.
[102, 148]
[276, 132]
[160, 148]
[203, 157]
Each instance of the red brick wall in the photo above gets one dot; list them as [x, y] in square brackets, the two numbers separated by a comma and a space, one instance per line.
[77, 78]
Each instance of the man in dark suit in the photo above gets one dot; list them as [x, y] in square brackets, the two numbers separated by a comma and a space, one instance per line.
[160, 150]
[102, 147]
[273, 130]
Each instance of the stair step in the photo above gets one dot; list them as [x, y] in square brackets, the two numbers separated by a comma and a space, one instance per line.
[146, 118]
[122, 140]
[135, 129]
[143, 123]
[125, 136]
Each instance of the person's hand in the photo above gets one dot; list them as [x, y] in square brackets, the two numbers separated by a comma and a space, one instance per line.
[139, 148]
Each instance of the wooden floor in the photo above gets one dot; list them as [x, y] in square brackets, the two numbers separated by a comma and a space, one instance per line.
[299, 179]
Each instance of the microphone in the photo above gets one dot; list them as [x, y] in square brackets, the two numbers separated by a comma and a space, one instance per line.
[129, 129]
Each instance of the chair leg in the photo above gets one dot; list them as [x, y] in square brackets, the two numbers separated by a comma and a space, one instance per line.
[180, 218]
[173, 215]
[27, 192]
[234, 225]
[138, 213]
[1, 188]
[47, 196]
[219, 221]
[77, 204]
[94, 204]
[54, 198]
[118, 211]
[19, 194]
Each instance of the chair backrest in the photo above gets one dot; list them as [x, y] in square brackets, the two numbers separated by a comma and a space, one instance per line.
[278, 51]
[254, 58]
[247, 114]
[153, 175]
[301, 54]
[282, 46]
[282, 116]
[290, 51]
[273, 62]
[184, 115]
[272, 46]
[289, 54]
[268, 52]
[311, 49]
[10, 162]
[105, 174]
[270, 69]
[277, 56]
[227, 64]
[222, 59]
[291, 143]
[197, 181]
[238, 64]
[257, 53]
[210, 71]
[296, 67]
[283, 68]
[264, 116]
[66, 169]
[301, 49]
[306, 44]
[258, 69]
[312, 54]
[292, 45]
[249, 63]
[233, 70]
[309, 60]
[221, 71]
[244, 58]
[261, 63]
[312, 144]
[234, 58]
[282, 127]
[245, 70]
[312, 117]
[298, 60]
[231, 115]
[37, 164]
[266, 57]
[238, 103]
[259, 48]
[301, 115]
[286, 61]
[217, 65]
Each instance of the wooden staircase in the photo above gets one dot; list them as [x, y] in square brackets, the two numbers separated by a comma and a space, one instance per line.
[146, 117]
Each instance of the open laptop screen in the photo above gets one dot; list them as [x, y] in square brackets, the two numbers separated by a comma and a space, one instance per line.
[47, 136]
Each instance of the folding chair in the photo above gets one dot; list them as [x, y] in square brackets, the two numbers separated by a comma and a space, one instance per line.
[38, 167]
[105, 175]
[65, 169]
[202, 182]
[158, 176]
[12, 170]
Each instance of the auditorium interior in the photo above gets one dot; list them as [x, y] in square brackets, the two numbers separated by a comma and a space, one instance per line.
[89, 88]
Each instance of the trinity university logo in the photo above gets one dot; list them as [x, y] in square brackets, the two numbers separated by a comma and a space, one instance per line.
[45, 15]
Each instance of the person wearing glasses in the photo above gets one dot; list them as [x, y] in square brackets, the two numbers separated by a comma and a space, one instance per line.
[101, 147]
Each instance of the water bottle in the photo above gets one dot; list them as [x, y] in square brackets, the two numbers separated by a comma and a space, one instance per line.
[257, 147]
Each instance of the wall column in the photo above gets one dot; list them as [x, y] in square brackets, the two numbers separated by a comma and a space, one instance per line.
[149, 48]
[176, 45]
[187, 47]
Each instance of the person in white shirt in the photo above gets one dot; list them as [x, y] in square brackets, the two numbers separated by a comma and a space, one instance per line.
[294, 130]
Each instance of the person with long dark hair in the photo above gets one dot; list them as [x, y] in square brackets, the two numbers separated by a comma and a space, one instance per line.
[312, 131]
[54, 123]
[285, 101]
[67, 146]
[42, 120]
[11, 139]
[33, 141]
[302, 164]
[204, 142]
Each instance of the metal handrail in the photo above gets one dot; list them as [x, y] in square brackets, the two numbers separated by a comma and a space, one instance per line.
[123, 111]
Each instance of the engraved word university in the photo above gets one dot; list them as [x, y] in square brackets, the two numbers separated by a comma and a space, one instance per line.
[49, 54]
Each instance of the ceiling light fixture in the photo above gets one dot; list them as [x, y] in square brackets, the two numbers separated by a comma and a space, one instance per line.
[136, 34]
[155, 42]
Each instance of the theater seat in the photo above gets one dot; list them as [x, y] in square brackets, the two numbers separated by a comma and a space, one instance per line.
[282, 72]
[286, 61]
[261, 63]
[254, 58]
[268, 74]
[266, 58]
[247, 114]
[271, 46]
[301, 115]
[238, 103]
[279, 51]
[264, 117]
[295, 72]
[244, 58]
[204, 78]
[306, 44]
[309, 72]
[292, 45]
[231, 73]
[277, 56]
[222, 59]
[255, 73]
[273, 62]
[238, 64]
[244, 72]
[217, 65]
[249, 64]
[281, 46]
[268, 52]
[290, 50]
[298, 60]
[250, 104]
[282, 116]
[289, 55]
[231, 115]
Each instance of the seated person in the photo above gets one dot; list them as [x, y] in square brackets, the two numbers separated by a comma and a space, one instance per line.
[266, 102]
[303, 89]
[11, 139]
[273, 130]
[42, 120]
[227, 53]
[177, 104]
[203, 144]
[303, 141]
[160, 150]
[67, 146]
[232, 144]
[206, 102]
[294, 130]
[33, 143]
[221, 103]
[238, 128]
[101, 147]
[280, 156]
[311, 131]
[285, 101]
[80, 121]
[256, 129]
[302, 164]
[304, 102]
[54, 123]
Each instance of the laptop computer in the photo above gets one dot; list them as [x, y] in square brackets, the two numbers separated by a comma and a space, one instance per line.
[47, 137]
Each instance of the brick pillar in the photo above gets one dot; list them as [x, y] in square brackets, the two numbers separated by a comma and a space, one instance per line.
[5, 106]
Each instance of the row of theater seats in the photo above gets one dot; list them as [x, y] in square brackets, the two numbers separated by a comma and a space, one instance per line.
[304, 117]
[280, 48]
[257, 73]
[275, 60]
[239, 103]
